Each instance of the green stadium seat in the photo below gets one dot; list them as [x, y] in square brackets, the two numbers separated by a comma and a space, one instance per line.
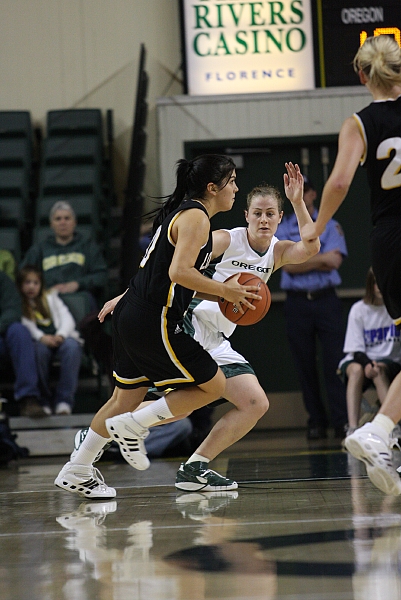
[16, 124]
[12, 212]
[10, 240]
[72, 150]
[14, 182]
[78, 303]
[71, 179]
[77, 121]
[15, 152]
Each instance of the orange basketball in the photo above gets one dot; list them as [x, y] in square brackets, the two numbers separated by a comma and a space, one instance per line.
[250, 317]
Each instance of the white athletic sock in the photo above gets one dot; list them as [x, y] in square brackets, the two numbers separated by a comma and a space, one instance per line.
[197, 458]
[89, 448]
[153, 413]
[384, 422]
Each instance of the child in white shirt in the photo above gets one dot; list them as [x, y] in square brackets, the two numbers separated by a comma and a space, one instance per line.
[373, 350]
[52, 328]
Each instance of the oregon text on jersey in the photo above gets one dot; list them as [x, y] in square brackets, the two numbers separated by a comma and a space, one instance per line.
[257, 268]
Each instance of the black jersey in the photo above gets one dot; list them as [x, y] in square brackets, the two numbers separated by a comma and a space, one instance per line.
[152, 282]
[380, 125]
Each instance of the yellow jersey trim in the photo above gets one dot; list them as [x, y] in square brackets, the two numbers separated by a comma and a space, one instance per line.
[363, 136]
[187, 377]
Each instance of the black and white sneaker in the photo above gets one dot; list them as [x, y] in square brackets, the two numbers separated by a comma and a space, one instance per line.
[196, 477]
[84, 480]
[130, 437]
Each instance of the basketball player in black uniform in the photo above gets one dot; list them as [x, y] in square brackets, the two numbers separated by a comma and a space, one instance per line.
[149, 343]
[372, 137]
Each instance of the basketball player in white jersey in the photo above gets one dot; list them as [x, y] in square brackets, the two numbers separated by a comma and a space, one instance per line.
[251, 249]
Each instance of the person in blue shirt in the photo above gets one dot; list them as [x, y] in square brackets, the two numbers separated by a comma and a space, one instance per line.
[313, 312]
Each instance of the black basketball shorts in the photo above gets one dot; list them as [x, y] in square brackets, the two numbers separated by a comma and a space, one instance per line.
[151, 348]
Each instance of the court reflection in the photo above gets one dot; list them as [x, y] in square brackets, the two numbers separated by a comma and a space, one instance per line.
[376, 541]
[135, 570]
[220, 567]
[204, 546]
[118, 559]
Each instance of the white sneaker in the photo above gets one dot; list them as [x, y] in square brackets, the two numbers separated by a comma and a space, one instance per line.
[62, 408]
[79, 438]
[371, 444]
[84, 480]
[130, 437]
[198, 505]
[87, 513]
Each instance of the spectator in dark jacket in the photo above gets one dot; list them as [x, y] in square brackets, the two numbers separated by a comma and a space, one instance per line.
[72, 263]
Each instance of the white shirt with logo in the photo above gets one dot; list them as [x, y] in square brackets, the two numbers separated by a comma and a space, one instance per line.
[371, 330]
[238, 258]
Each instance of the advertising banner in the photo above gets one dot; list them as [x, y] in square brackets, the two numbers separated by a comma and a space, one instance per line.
[240, 47]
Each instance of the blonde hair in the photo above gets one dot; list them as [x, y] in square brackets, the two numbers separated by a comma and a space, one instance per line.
[380, 60]
[264, 189]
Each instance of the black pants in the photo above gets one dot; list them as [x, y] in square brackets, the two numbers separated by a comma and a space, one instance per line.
[310, 320]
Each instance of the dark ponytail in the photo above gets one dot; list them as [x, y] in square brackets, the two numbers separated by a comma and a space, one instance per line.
[192, 178]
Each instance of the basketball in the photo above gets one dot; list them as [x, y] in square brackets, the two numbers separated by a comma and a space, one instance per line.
[250, 317]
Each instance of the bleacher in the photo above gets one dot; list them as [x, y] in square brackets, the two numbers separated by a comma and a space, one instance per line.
[70, 160]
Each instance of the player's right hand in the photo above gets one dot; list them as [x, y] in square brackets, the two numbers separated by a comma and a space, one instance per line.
[238, 293]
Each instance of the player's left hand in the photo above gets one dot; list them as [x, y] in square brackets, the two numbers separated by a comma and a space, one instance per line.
[108, 308]
[293, 183]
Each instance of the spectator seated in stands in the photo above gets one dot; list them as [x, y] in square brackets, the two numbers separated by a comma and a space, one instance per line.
[16, 345]
[52, 328]
[373, 351]
[72, 263]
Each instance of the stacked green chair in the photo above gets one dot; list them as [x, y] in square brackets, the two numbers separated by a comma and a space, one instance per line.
[10, 240]
[12, 213]
[15, 152]
[72, 166]
[74, 121]
[16, 176]
[65, 150]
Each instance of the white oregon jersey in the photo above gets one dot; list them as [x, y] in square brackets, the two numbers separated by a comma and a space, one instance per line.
[238, 258]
